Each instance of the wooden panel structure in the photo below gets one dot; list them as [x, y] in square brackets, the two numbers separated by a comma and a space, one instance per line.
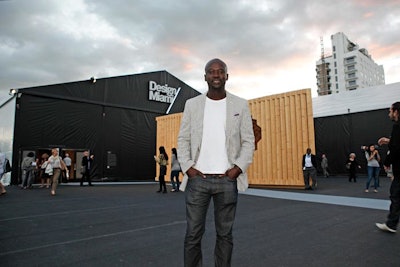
[167, 136]
[287, 129]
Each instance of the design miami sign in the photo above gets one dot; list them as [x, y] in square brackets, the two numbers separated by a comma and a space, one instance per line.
[163, 94]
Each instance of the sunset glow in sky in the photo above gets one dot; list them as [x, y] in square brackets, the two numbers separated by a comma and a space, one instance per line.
[270, 46]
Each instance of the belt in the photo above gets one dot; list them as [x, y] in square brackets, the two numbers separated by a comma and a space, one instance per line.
[214, 174]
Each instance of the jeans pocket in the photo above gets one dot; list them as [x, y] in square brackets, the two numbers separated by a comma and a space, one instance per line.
[230, 180]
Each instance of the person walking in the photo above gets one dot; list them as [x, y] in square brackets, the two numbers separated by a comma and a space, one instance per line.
[352, 166]
[3, 170]
[324, 165]
[28, 170]
[373, 159]
[309, 163]
[58, 165]
[393, 160]
[175, 170]
[87, 164]
[68, 163]
[44, 176]
[215, 147]
[162, 160]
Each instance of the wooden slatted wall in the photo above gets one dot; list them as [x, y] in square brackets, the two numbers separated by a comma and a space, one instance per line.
[287, 129]
[167, 136]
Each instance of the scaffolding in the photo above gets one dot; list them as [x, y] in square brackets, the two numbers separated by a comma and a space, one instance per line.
[323, 72]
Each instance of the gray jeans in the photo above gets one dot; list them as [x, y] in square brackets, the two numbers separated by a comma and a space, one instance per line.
[27, 178]
[198, 194]
[310, 172]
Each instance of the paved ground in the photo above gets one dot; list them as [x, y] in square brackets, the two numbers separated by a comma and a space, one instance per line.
[131, 225]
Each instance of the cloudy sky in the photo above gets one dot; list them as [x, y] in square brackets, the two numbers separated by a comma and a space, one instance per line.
[270, 46]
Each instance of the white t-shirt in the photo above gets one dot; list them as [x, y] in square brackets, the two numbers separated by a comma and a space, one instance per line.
[213, 156]
[307, 161]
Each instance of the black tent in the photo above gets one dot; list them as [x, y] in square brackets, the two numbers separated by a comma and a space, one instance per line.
[338, 136]
[113, 117]
[346, 121]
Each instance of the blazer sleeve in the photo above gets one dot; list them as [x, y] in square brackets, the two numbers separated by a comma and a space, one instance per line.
[184, 139]
[245, 155]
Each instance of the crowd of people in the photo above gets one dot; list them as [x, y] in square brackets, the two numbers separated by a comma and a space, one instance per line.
[50, 170]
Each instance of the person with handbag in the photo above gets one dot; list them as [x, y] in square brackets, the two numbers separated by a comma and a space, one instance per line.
[352, 166]
[162, 160]
[3, 170]
[43, 173]
[58, 165]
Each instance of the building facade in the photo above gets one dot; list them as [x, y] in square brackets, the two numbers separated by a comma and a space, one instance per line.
[348, 68]
[114, 118]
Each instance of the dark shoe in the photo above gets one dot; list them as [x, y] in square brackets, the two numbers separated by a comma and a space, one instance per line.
[159, 191]
[165, 191]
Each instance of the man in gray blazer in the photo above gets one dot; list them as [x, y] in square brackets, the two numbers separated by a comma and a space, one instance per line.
[215, 147]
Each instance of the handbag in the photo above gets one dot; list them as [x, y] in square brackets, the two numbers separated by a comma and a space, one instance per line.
[348, 165]
[7, 166]
[49, 169]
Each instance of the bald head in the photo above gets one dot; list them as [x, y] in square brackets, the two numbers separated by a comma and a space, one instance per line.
[216, 60]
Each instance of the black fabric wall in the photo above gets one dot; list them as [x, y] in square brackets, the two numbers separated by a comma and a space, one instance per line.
[338, 136]
[113, 118]
[128, 134]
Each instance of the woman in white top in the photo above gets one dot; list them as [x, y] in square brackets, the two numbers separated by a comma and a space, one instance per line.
[57, 163]
[373, 158]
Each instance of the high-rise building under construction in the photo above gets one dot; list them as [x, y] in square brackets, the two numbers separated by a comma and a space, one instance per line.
[347, 68]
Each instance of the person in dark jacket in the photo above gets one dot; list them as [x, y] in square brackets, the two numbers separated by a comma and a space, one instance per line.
[309, 164]
[352, 166]
[87, 164]
[393, 159]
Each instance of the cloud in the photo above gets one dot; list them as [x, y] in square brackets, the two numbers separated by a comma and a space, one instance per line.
[269, 46]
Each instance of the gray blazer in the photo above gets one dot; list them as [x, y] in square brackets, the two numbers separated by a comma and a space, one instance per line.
[239, 135]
